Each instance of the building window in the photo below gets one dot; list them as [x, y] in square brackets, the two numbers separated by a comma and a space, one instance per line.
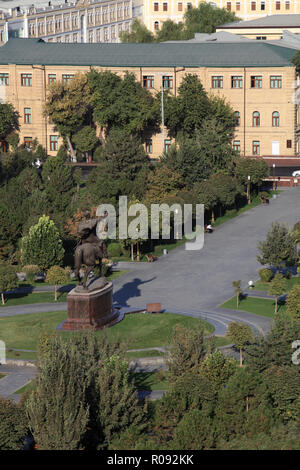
[167, 145]
[156, 25]
[238, 6]
[228, 6]
[289, 144]
[237, 145]
[189, 6]
[149, 146]
[256, 119]
[51, 78]
[277, 5]
[66, 78]
[261, 38]
[28, 142]
[262, 6]
[53, 143]
[237, 81]
[27, 115]
[26, 79]
[179, 6]
[4, 79]
[167, 82]
[253, 6]
[256, 147]
[217, 82]
[237, 117]
[148, 81]
[287, 5]
[155, 6]
[256, 81]
[275, 81]
[3, 146]
[165, 7]
[275, 119]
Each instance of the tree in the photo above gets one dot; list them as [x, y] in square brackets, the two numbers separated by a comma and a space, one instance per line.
[57, 276]
[205, 194]
[186, 112]
[59, 187]
[9, 120]
[171, 31]
[138, 33]
[122, 103]
[293, 302]
[123, 168]
[205, 18]
[119, 407]
[274, 349]
[278, 286]
[296, 61]
[240, 334]
[187, 352]
[42, 245]
[13, 425]
[67, 106]
[257, 169]
[279, 246]
[238, 291]
[85, 141]
[162, 183]
[8, 279]
[217, 368]
[194, 432]
[226, 189]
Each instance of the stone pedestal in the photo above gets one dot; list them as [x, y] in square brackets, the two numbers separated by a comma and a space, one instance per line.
[91, 308]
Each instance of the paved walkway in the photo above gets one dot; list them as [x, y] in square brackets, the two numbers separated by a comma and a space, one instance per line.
[194, 283]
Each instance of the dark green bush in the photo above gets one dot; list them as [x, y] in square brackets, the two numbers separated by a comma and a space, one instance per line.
[115, 250]
[266, 274]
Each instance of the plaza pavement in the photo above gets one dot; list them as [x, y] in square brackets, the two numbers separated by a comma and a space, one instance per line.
[193, 283]
[196, 282]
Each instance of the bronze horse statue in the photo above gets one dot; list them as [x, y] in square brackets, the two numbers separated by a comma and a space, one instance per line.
[87, 254]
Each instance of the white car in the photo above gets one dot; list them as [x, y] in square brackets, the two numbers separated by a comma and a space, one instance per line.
[296, 173]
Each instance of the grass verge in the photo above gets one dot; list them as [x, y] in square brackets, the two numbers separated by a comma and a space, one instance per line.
[262, 307]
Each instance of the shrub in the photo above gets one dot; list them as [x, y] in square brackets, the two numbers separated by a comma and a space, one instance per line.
[115, 250]
[293, 302]
[31, 270]
[194, 432]
[266, 274]
[13, 425]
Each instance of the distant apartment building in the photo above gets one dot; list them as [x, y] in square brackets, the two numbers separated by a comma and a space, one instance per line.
[252, 9]
[82, 21]
[154, 13]
[266, 28]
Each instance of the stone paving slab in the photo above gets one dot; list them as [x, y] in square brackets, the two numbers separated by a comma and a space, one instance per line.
[16, 378]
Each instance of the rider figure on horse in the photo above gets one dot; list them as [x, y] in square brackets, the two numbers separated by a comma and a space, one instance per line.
[90, 248]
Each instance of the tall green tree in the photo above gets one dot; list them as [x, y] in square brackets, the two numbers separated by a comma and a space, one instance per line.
[67, 106]
[293, 302]
[277, 287]
[240, 334]
[138, 33]
[171, 31]
[122, 170]
[85, 141]
[186, 112]
[9, 120]
[42, 246]
[206, 17]
[8, 279]
[122, 103]
[238, 291]
[257, 169]
[278, 248]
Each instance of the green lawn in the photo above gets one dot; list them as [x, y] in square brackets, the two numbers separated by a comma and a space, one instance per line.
[151, 380]
[263, 307]
[44, 297]
[140, 330]
[264, 286]
[2, 375]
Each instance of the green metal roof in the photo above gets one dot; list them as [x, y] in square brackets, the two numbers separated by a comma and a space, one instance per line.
[36, 51]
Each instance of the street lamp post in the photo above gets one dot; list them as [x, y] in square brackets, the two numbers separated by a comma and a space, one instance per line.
[162, 111]
[274, 176]
[248, 189]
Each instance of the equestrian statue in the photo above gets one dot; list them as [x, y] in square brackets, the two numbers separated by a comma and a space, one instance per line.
[90, 249]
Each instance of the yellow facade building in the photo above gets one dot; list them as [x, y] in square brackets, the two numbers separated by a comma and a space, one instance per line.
[256, 78]
[65, 21]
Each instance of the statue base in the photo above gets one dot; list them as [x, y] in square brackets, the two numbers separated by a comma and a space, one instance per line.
[91, 308]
